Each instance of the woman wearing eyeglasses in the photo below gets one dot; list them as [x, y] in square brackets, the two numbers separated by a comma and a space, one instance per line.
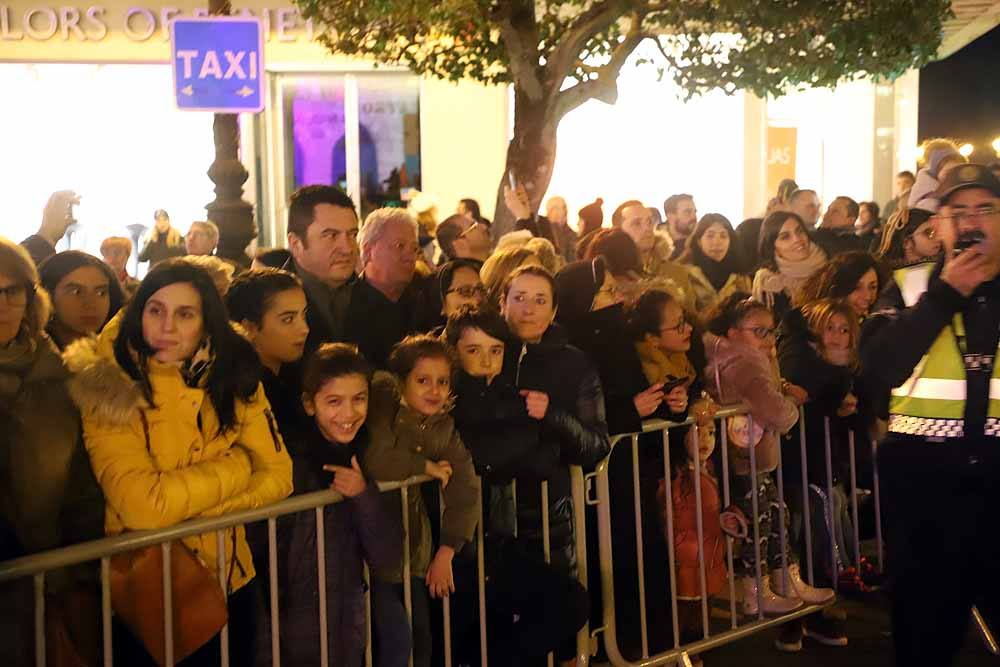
[460, 286]
[742, 367]
[48, 495]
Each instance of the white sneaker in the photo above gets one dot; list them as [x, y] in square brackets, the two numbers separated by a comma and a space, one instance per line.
[774, 605]
[798, 587]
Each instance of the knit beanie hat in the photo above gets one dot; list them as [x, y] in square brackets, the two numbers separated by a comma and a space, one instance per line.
[576, 285]
[937, 156]
[592, 214]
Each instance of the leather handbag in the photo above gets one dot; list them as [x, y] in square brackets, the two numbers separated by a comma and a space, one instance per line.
[198, 601]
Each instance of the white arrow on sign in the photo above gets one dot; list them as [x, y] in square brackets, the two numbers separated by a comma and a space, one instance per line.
[187, 90]
[245, 91]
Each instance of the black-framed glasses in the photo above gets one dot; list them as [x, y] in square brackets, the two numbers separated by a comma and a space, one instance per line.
[16, 295]
[762, 333]
[677, 328]
[469, 291]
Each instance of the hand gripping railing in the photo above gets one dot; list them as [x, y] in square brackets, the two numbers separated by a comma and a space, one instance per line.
[37, 565]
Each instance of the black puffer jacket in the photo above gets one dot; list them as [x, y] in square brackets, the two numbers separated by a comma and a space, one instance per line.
[574, 425]
[827, 386]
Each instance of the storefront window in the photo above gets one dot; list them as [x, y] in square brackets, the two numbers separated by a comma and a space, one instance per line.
[358, 132]
[315, 125]
[389, 139]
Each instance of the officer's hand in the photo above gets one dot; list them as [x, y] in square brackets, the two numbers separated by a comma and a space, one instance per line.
[967, 271]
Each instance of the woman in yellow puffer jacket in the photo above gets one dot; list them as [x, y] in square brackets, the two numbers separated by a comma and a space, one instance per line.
[177, 426]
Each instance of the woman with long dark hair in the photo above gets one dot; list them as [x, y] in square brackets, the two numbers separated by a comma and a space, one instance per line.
[177, 426]
[788, 257]
[856, 277]
[714, 262]
[85, 295]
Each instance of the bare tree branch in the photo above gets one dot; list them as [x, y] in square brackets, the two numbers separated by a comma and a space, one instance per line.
[605, 86]
[589, 23]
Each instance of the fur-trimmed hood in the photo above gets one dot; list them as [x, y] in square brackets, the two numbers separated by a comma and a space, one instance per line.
[98, 385]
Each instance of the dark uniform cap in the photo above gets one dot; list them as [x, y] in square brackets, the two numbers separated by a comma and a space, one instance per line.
[968, 176]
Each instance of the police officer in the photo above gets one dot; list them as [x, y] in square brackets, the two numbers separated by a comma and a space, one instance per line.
[940, 462]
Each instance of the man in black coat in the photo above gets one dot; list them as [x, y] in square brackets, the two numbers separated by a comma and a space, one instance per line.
[374, 310]
[835, 234]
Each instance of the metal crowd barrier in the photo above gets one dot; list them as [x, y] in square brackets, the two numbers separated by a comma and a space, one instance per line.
[37, 565]
[737, 630]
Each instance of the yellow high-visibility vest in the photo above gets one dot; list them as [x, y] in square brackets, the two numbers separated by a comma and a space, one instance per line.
[932, 402]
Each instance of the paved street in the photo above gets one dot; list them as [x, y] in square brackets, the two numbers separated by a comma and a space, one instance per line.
[870, 645]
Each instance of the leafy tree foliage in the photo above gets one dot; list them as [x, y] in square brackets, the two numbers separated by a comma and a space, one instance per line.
[558, 55]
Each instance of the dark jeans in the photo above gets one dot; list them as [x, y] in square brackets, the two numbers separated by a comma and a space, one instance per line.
[391, 627]
[944, 551]
[242, 633]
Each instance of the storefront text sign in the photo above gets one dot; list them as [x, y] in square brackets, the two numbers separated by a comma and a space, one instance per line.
[138, 24]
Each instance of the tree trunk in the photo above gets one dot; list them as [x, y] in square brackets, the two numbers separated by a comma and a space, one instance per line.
[530, 157]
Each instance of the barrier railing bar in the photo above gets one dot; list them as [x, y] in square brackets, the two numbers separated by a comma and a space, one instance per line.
[272, 558]
[806, 513]
[729, 540]
[783, 534]
[640, 560]
[831, 518]
[106, 611]
[324, 647]
[854, 502]
[93, 550]
[756, 516]
[878, 506]
[368, 617]
[446, 602]
[481, 569]
[220, 563]
[671, 554]
[407, 590]
[39, 620]
[984, 630]
[546, 546]
[699, 526]
[579, 492]
[168, 607]
[729, 636]
[513, 496]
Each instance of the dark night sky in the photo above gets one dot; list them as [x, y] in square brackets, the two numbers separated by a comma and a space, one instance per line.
[960, 96]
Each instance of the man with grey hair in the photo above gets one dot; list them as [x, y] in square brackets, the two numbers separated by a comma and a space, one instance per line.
[388, 302]
[202, 238]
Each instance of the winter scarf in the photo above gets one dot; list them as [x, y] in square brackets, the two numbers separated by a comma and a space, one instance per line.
[15, 360]
[717, 272]
[790, 276]
[657, 365]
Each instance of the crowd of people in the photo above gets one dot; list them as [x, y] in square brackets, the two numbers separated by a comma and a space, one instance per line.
[373, 351]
